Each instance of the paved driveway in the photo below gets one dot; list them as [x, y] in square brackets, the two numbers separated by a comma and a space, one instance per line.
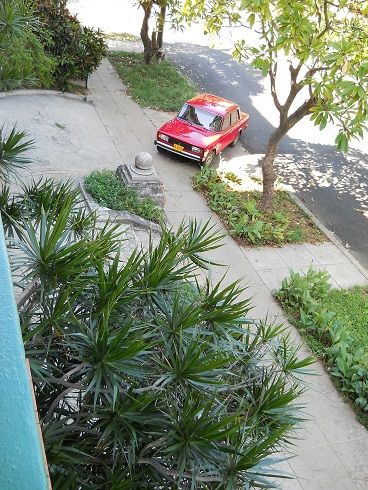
[69, 135]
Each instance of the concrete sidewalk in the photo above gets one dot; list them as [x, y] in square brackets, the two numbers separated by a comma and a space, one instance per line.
[331, 452]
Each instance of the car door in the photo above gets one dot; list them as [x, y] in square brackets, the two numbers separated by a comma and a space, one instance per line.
[234, 124]
[225, 132]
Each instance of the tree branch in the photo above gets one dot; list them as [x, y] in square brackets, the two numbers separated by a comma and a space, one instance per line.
[272, 75]
[302, 111]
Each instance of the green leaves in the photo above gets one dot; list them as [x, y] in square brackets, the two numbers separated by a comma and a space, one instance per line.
[12, 149]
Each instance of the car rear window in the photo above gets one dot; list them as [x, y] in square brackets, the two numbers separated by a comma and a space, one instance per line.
[201, 118]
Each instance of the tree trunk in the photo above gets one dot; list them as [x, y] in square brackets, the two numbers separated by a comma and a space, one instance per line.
[286, 123]
[154, 45]
[147, 44]
[161, 25]
[268, 171]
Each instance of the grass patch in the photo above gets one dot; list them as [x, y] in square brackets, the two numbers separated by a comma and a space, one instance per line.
[351, 307]
[107, 190]
[242, 215]
[159, 85]
[121, 36]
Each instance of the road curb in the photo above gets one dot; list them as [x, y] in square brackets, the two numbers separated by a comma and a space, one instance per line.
[330, 235]
[66, 95]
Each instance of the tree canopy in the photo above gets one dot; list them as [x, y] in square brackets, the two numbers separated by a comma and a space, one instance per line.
[325, 45]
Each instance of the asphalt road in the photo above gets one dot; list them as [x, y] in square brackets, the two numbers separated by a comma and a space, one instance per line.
[333, 186]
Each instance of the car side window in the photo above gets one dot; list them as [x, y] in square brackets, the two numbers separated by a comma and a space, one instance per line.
[234, 116]
[226, 123]
[215, 125]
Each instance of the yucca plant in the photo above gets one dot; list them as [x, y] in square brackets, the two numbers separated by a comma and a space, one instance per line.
[13, 147]
[146, 375]
[15, 17]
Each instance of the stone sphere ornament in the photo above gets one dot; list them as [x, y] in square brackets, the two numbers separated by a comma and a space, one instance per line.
[143, 164]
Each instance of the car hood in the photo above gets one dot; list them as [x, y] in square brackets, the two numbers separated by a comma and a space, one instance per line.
[183, 131]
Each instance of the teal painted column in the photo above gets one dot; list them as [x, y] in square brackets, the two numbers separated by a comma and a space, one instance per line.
[22, 462]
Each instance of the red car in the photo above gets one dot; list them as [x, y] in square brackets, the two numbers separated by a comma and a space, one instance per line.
[204, 126]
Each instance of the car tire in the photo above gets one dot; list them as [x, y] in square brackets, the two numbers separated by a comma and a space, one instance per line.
[235, 140]
[210, 158]
[159, 149]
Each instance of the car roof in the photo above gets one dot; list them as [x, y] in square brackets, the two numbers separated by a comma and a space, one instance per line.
[213, 103]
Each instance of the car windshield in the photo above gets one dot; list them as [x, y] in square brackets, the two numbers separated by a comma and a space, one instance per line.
[202, 118]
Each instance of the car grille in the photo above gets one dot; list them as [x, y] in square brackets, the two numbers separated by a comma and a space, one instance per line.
[174, 141]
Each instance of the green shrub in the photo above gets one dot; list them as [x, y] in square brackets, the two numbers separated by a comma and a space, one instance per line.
[110, 192]
[24, 57]
[302, 297]
[23, 62]
[78, 50]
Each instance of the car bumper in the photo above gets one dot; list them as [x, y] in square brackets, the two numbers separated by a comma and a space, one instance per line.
[165, 146]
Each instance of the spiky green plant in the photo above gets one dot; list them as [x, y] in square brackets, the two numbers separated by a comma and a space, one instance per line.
[145, 375]
[13, 147]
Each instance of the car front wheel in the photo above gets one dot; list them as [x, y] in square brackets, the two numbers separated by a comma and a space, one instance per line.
[209, 159]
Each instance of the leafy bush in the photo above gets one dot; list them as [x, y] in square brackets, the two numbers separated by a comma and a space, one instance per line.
[110, 192]
[23, 62]
[142, 378]
[241, 213]
[78, 50]
[302, 297]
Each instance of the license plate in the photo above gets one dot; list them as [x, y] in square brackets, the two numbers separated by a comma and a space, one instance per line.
[178, 147]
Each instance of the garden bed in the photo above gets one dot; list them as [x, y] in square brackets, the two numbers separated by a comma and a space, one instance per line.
[334, 325]
[107, 190]
[241, 213]
[158, 85]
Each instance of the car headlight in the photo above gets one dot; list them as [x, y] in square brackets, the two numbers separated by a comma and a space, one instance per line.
[163, 137]
[195, 149]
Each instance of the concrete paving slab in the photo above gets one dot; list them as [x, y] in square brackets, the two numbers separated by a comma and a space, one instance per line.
[176, 217]
[319, 469]
[318, 384]
[346, 275]
[264, 306]
[274, 277]
[327, 253]
[353, 455]
[185, 200]
[296, 256]
[328, 407]
[264, 258]
[291, 483]
[343, 431]
[310, 435]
